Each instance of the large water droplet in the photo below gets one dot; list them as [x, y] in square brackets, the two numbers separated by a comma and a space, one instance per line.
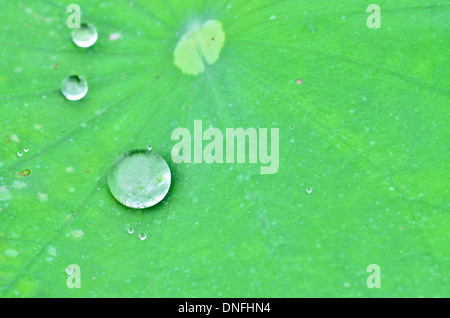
[139, 179]
[84, 36]
[74, 87]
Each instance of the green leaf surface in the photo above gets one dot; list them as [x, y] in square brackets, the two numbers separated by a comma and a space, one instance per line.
[367, 131]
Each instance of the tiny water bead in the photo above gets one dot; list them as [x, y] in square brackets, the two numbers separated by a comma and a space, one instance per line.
[142, 236]
[308, 190]
[130, 230]
[139, 179]
[20, 153]
[84, 36]
[74, 87]
[69, 270]
[26, 149]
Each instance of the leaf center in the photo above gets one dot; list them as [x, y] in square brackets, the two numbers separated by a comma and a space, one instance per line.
[199, 44]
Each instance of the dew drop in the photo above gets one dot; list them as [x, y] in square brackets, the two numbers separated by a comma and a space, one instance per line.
[20, 153]
[84, 36]
[26, 149]
[74, 87]
[69, 270]
[308, 190]
[142, 236]
[133, 179]
[130, 230]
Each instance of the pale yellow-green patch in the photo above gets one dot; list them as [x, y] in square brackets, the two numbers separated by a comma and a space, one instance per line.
[4, 194]
[19, 185]
[199, 44]
[42, 197]
[77, 233]
[11, 253]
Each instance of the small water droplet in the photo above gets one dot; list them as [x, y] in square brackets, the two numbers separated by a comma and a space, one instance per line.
[20, 153]
[26, 149]
[308, 190]
[130, 230]
[142, 236]
[69, 270]
[133, 179]
[74, 87]
[84, 36]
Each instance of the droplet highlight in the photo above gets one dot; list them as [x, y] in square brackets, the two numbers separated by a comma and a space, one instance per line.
[84, 36]
[74, 87]
[133, 179]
